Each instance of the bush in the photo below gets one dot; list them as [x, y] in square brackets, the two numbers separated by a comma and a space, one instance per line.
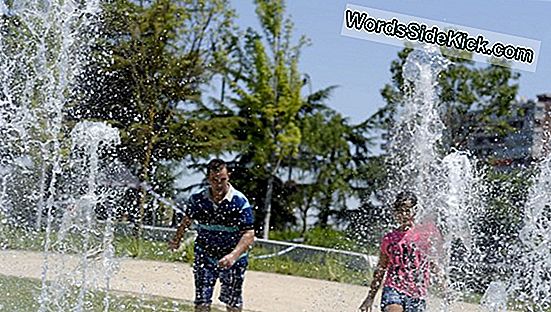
[323, 237]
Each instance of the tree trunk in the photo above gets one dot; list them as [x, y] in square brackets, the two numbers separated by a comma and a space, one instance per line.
[144, 176]
[324, 218]
[325, 212]
[269, 187]
[268, 206]
[268, 197]
[304, 216]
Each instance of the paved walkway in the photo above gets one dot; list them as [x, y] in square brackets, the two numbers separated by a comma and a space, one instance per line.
[263, 291]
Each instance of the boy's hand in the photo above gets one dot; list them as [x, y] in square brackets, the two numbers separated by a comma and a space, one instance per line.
[174, 244]
[366, 305]
[227, 261]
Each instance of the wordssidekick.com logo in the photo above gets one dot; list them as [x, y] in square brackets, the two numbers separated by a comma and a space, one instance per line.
[394, 28]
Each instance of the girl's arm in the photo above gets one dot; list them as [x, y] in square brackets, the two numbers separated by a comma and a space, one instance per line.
[378, 276]
[440, 278]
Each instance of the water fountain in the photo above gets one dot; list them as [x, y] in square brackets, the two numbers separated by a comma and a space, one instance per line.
[452, 194]
[448, 186]
[531, 280]
[38, 73]
[79, 235]
[44, 47]
[495, 297]
[418, 131]
[49, 178]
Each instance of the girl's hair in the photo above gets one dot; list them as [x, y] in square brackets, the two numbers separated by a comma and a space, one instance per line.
[405, 197]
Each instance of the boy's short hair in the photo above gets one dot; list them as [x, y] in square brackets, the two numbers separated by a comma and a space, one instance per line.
[216, 165]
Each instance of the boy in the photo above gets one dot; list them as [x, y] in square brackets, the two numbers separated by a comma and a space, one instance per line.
[225, 233]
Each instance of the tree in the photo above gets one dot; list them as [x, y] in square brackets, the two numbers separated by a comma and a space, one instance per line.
[333, 153]
[268, 96]
[464, 88]
[155, 61]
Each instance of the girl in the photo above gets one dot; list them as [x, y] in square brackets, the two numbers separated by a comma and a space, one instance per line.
[405, 260]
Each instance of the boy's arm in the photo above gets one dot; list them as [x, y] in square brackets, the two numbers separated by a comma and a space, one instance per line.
[247, 239]
[174, 243]
[247, 236]
[378, 276]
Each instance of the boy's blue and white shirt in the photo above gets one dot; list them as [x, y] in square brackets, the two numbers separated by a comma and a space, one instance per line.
[220, 225]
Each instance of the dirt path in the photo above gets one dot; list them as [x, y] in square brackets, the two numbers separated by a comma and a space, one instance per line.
[263, 291]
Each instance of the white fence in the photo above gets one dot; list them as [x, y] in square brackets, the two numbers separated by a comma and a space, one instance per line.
[298, 252]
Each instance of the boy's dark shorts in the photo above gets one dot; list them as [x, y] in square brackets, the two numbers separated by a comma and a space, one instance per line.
[206, 272]
[392, 296]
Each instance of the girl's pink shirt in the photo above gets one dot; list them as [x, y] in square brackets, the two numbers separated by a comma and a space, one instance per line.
[408, 269]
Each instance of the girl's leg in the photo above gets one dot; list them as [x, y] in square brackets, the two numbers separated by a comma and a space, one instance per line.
[394, 308]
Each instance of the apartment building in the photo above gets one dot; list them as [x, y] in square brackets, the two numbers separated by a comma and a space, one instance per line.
[528, 138]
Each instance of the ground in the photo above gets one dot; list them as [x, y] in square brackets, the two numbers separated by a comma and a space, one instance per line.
[263, 291]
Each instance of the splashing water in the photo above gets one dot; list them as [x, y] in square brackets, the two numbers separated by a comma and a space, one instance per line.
[531, 281]
[39, 71]
[495, 297]
[78, 233]
[461, 196]
[45, 47]
[462, 204]
[418, 131]
[448, 187]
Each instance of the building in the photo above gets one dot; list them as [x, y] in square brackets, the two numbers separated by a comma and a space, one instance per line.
[542, 127]
[527, 138]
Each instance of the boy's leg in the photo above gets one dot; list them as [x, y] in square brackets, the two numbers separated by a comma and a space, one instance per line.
[232, 309]
[202, 308]
[231, 290]
[205, 275]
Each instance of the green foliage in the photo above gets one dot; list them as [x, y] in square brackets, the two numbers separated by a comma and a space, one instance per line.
[329, 238]
[464, 88]
[161, 57]
[269, 103]
[19, 238]
[324, 237]
[285, 235]
[333, 155]
[329, 268]
[150, 68]
[151, 250]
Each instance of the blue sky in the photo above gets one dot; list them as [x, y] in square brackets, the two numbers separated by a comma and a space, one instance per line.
[361, 67]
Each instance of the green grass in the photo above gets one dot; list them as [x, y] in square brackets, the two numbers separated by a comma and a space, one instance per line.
[20, 294]
[126, 246]
[325, 237]
[320, 267]
[327, 267]
[18, 238]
